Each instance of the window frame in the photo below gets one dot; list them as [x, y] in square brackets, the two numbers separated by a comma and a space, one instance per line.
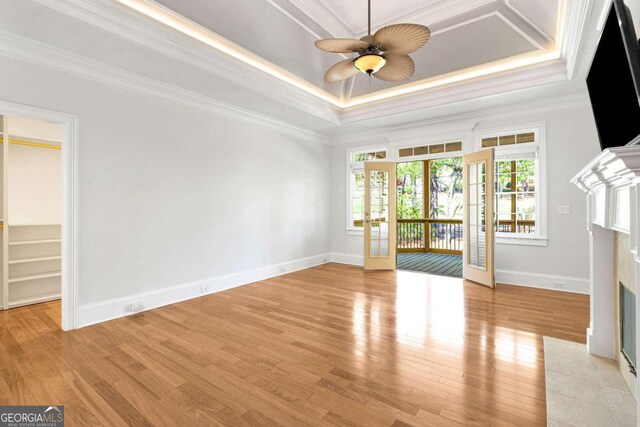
[538, 147]
[351, 229]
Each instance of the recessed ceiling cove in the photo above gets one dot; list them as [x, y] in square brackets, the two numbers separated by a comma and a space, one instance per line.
[465, 34]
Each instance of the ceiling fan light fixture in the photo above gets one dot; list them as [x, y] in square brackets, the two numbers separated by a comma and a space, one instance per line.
[369, 63]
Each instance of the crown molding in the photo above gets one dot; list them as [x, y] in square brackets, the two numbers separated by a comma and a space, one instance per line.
[432, 14]
[118, 19]
[321, 14]
[462, 121]
[528, 21]
[122, 21]
[493, 84]
[614, 167]
[27, 50]
[576, 16]
[531, 33]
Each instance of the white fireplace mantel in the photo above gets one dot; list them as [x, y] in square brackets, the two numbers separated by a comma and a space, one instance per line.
[611, 182]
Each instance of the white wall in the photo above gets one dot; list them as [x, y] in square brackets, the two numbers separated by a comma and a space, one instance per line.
[35, 185]
[170, 194]
[571, 143]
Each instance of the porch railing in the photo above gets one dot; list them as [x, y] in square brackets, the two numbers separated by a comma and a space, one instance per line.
[518, 226]
[445, 235]
[442, 235]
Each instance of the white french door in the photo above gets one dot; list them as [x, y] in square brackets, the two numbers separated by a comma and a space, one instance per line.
[478, 248]
[380, 216]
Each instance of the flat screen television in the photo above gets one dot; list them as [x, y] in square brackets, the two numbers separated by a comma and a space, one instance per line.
[614, 81]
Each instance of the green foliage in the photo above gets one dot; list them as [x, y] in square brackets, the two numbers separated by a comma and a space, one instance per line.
[410, 178]
[524, 176]
[445, 186]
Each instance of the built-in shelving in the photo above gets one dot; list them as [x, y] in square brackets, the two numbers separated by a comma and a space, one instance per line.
[28, 277]
[27, 260]
[33, 263]
[34, 242]
[30, 226]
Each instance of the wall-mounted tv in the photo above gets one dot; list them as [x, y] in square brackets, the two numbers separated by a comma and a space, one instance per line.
[614, 80]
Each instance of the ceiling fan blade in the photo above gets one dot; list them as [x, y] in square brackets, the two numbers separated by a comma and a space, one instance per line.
[341, 71]
[341, 45]
[402, 39]
[397, 68]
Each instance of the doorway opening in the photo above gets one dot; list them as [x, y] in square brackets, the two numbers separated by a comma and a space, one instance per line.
[32, 216]
[38, 202]
[429, 216]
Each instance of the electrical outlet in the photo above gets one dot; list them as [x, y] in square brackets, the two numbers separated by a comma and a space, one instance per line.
[134, 307]
[204, 289]
[558, 285]
[564, 210]
[282, 269]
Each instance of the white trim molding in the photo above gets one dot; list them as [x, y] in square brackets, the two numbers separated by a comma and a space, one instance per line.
[539, 148]
[198, 46]
[505, 277]
[543, 281]
[348, 259]
[90, 314]
[70, 202]
[611, 182]
[571, 32]
[23, 49]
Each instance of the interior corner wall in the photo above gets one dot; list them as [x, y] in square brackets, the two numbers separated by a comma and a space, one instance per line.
[175, 201]
[571, 142]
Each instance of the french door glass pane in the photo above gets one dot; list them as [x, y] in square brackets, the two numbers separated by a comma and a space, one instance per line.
[379, 215]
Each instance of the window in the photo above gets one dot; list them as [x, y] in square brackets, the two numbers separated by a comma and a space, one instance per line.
[516, 196]
[518, 185]
[356, 184]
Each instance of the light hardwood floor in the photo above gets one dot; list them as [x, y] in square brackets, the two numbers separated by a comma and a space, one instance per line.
[330, 345]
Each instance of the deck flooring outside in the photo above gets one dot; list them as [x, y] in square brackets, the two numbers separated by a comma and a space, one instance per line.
[438, 264]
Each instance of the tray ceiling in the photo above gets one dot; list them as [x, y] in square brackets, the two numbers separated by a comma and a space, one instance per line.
[466, 33]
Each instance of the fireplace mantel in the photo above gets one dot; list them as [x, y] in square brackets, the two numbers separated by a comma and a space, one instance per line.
[611, 182]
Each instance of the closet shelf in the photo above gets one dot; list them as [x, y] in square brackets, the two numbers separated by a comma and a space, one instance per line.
[28, 277]
[26, 260]
[44, 224]
[34, 242]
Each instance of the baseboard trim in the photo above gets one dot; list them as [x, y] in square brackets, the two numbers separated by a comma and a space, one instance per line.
[506, 277]
[90, 314]
[543, 281]
[346, 259]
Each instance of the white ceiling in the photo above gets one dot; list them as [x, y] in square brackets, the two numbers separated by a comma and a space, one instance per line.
[466, 33]
[109, 41]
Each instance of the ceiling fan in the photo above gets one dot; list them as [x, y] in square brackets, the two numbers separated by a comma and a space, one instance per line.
[385, 55]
